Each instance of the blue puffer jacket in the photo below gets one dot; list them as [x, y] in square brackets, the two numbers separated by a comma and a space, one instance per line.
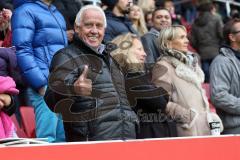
[39, 31]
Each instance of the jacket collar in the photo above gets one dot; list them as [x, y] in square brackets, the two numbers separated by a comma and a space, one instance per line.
[228, 52]
[45, 6]
[154, 31]
[186, 72]
[18, 3]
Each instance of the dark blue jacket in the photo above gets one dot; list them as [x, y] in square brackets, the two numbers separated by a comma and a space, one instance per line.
[8, 61]
[117, 26]
[39, 31]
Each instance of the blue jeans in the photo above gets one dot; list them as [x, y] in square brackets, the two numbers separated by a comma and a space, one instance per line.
[205, 67]
[48, 124]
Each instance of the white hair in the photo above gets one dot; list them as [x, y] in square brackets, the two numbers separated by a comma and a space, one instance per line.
[89, 7]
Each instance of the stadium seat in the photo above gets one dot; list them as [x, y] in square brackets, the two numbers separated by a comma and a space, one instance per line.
[20, 132]
[28, 121]
[206, 87]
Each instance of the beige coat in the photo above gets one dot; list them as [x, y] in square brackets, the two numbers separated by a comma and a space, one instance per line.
[188, 102]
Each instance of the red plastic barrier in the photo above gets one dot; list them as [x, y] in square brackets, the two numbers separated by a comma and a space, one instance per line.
[204, 148]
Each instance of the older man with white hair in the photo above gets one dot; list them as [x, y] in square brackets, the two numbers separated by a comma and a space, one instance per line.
[86, 86]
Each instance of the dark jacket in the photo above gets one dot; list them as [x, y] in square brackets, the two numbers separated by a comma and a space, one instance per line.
[106, 114]
[69, 10]
[117, 26]
[6, 4]
[149, 41]
[206, 35]
[37, 38]
[150, 104]
[8, 61]
[8, 66]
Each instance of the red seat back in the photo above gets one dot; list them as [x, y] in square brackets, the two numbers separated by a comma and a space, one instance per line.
[20, 132]
[28, 121]
[206, 87]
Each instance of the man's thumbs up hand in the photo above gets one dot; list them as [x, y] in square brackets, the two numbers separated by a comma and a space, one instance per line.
[83, 85]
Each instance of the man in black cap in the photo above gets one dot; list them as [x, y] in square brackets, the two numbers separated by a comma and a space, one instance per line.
[117, 22]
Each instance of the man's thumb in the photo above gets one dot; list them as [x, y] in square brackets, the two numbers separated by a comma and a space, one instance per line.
[84, 73]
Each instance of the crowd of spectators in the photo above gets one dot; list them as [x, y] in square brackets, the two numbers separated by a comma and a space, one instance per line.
[119, 69]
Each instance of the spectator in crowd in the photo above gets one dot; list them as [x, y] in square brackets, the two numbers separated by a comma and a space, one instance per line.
[168, 4]
[178, 73]
[235, 13]
[5, 26]
[147, 6]
[8, 67]
[37, 37]
[86, 76]
[161, 18]
[149, 108]
[8, 61]
[69, 9]
[224, 79]
[7, 107]
[137, 17]
[206, 36]
[189, 11]
[148, 20]
[215, 10]
[129, 54]
[117, 21]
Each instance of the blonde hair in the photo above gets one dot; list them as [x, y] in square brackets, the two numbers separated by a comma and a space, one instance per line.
[123, 54]
[141, 24]
[146, 6]
[168, 34]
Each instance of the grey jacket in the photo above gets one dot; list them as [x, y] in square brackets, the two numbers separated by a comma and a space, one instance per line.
[225, 88]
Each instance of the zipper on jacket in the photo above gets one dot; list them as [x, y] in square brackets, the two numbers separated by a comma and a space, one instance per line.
[108, 63]
[119, 96]
[57, 24]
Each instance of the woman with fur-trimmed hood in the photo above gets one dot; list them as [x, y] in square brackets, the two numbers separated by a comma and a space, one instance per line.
[178, 72]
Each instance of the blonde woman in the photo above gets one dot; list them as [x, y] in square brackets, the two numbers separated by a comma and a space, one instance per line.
[178, 72]
[150, 102]
[137, 17]
[130, 54]
[146, 5]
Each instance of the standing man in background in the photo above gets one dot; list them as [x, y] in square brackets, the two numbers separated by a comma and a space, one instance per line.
[224, 79]
[39, 31]
[117, 21]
